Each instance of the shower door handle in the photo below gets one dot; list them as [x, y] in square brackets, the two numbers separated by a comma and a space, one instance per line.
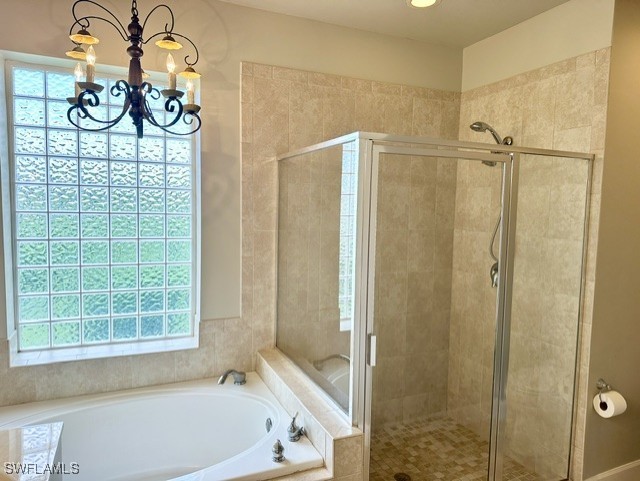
[372, 350]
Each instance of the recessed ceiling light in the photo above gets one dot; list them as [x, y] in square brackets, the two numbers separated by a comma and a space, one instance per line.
[422, 3]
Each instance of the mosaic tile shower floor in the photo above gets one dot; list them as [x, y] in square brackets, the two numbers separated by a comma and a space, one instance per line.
[435, 450]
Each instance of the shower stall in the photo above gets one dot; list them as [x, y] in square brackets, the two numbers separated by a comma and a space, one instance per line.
[455, 365]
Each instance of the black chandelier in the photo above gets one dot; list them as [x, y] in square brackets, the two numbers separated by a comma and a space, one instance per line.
[135, 90]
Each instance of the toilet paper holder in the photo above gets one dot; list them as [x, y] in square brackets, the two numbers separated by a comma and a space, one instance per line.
[602, 386]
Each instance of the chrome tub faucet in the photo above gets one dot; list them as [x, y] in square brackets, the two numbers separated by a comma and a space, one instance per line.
[239, 377]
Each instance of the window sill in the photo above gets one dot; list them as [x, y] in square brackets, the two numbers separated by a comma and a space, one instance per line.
[35, 358]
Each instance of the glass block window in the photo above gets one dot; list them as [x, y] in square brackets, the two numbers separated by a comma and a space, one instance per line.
[103, 222]
[348, 196]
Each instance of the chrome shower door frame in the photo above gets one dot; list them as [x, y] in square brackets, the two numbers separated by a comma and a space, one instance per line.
[370, 159]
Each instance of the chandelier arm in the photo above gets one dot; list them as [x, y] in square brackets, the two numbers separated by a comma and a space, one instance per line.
[187, 119]
[166, 25]
[83, 114]
[168, 107]
[192, 44]
[78, 21]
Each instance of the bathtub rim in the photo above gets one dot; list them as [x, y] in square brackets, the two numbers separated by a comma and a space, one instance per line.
[14, 416]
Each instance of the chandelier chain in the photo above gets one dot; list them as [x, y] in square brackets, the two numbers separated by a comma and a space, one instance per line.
[134, 8]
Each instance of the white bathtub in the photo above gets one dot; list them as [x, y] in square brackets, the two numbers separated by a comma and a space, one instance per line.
[195, 431]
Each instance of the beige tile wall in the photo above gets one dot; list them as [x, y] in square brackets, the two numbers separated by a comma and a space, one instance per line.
[561, 106]
[284, 109]
[414, 247]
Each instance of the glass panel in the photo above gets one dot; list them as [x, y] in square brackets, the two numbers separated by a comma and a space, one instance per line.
[178, 300]
[179, 275]
[28, 112]
[30, 141]
[34, 336]
[57, 114]
[547, 284]
[95, 225]
[31, 197]
[178, 150]
[125, 302]
[31, 169]
[63, 142]
[179, 251]
[63, 198]
[66, 333]
[151, 200]
[124, 226]
[94, 172]
[179, 226]
[33, 254]
[65, 307]
[95, 279]
[434, 313]
[311, 329]
[32, 281]
[151, 326]
[178, 324]
[34, 308]
[152, 276]
[178, 201]
[64, 225]
[95, 252]
[123, 173]
[94, 199]
[63, 171]
[124, 277]
[31, 226]
[95, 330]
[95, 305]
[151, 149]
[125, 328]
[93, 144]
[124, 200]
[28, 82]
[151, 301]
[65, 279]
[151, 226]
[151, 175]
[179, 176]
[124, 252]
[60, 85]
[123, 147]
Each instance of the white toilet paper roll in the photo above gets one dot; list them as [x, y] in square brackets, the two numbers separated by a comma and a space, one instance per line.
[609, 404]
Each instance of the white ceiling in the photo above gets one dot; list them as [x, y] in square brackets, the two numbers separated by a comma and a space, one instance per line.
[456, 23]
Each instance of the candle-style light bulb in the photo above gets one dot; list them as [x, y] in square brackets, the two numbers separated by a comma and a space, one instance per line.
[78, 73]
[91, 64]
[171, 68]
[190, 92]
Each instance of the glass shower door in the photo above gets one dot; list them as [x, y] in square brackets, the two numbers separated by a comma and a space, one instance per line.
[433, 312]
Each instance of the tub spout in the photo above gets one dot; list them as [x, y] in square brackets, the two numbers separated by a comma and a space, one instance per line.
[239, 377]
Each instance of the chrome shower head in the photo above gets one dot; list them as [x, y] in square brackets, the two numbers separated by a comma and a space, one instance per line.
[483, 127]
